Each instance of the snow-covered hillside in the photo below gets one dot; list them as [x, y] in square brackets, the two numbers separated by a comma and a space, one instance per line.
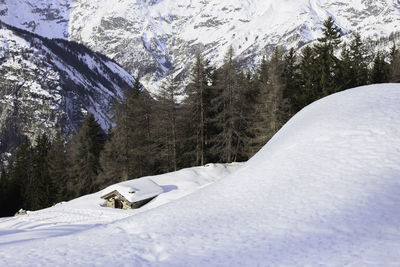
[152, 37]
[86, 212]
[324, 191]
[47, 85]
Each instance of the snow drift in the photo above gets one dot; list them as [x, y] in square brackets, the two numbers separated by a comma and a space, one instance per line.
[324, 191]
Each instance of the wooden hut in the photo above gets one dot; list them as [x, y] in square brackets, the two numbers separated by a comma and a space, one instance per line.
[132, 194]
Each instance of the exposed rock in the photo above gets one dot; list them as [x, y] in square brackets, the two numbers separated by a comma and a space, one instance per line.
[49, 85]
[151, 38]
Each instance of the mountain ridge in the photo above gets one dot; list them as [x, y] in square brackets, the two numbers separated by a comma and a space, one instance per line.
[49, 85]
[151, 39]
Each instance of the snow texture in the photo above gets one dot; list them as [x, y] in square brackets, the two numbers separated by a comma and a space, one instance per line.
[324, 191]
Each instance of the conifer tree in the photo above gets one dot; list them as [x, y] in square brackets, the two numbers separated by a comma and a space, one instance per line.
[83, 155]
[358, 54]
[4, 195]
[395, 65]
[38, 189]
[346, 71]
[58, 174]
[226, 85]
[132, 150]
[380, 70]
[276, 102]
[259, 121]
[113, 160]
[326, 61]
[228, 108]
[167, 121]
[197, 100]
[291, 80]
[20, 176]
[246, 110]
[308, 79]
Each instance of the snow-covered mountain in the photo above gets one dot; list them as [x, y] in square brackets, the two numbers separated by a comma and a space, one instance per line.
[324, 191]
[152, 37]
[51, 84]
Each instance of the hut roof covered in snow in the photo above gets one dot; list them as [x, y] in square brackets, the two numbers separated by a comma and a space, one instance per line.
[135, 190]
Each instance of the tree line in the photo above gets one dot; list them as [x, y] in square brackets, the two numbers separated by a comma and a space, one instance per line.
[227, 114]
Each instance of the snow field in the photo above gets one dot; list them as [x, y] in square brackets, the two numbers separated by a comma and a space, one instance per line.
[324, 191]
[69, 218]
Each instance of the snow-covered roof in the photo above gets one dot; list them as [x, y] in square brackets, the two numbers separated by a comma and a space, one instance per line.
[135, 190]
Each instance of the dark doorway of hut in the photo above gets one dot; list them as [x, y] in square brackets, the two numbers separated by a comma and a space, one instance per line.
[118, 204]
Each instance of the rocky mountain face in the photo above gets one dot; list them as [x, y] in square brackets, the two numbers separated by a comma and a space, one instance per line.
[152, 38]
[49, 85]
[46, 84]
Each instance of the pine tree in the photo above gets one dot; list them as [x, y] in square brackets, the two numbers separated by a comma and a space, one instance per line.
[276, 85]
[246, 111]
[37, 194]
[309, 91]
[326, 61]
[380, 70]
[20, 177]
[167, 121]
[57, 166]
[227, 105]
[291, 80]
[394, 65]
[113, 160]
[358, 54]
[346, 72]
[132, 151]
[83, 155]
[276, 102]
[197, 100]
[4, 194]
[259, 121]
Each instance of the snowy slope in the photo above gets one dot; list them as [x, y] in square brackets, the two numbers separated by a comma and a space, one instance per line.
[47, 85]
[324, 191]
[86, 212]
[150, 38]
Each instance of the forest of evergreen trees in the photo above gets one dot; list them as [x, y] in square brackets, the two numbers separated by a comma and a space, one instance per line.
[227, 114]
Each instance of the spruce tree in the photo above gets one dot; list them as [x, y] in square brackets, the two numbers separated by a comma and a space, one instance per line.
[291, 80]
[346, 71]
[83, 155]
[167, 122]
[37, 192]
[359, 65]
[380, 70]
[326, 62]
[58, 174]
[395, 65]
[246, 111]
[227, 105]
[113, 160]
[276, 87]
[21, 178]
[132, 150]
[308, 72]
[4, 194]
[277, 103]
[259, 121]
[196, 103]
